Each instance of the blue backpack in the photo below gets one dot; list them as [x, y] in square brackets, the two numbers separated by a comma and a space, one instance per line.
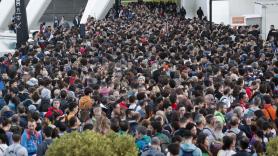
[187, 153]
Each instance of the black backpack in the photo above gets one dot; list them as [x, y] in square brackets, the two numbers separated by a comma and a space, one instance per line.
[45, 104]
[239, 136]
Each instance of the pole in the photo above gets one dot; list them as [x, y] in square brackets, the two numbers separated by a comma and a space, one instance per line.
[22, 33]
[265, 34]
[210, 14]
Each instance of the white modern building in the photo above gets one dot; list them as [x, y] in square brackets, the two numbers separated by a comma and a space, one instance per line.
[261, 12]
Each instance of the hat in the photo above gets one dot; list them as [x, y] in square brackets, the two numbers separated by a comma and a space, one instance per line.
[32, 82]
[32, 108]
[123, 105]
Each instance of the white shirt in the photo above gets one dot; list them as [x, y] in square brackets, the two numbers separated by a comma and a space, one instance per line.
[133, 106]
[16, 149]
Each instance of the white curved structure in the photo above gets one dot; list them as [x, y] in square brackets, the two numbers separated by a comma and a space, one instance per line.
[35, 9]
[97, 9]
[7, 8]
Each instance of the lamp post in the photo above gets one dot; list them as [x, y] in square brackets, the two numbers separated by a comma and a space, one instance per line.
[210, 14]
[264, 7]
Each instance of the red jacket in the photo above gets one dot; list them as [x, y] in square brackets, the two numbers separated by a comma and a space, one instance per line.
[51, 110]
[248, 92]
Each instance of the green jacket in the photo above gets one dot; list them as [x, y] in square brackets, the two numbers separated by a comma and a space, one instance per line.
[164, 139]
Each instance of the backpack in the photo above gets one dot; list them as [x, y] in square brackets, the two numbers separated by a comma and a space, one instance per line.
[187, 153]
[151, 152]
[14, 151]
[45, 146]
[45, 104]
[215, 146]
[238, 138]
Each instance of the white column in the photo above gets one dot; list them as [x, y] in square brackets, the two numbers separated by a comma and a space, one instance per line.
[7, 8]
[190, 7]
[102, 8]
[88, 12]
[97, 9]
[35, 10]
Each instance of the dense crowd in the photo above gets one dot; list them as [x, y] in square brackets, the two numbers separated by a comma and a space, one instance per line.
[175, 85]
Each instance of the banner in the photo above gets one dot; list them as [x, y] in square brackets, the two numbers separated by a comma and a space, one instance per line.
[238, 21]
[21, 23]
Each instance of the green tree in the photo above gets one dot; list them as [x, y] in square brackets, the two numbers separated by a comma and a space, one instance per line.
[90, 143]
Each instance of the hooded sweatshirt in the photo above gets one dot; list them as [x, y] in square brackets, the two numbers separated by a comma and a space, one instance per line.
[190, 149]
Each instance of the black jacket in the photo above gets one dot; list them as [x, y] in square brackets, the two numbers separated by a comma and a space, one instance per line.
[43, 147]
[242, 153]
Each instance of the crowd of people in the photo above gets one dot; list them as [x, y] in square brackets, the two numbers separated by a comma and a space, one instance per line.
[175, 85]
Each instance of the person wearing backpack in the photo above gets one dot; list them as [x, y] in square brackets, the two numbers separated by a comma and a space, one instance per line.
[154, 149]
[187, 148]
[227, 149]
[244, 143]
[16, 149]
[45, 97]
[30, 138]
[234, 123]
[142, 139]
[133, 105]
[47, 133]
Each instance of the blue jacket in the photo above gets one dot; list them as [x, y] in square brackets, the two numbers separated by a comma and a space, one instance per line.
[190, 148]
[31, 142]
[2, 103]
[143, 142]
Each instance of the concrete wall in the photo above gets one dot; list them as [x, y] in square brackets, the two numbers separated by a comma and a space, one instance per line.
[190, 7]
[271, 16]
[66, 8]
[205, 7]
[241, 7]
[35, 9]
[220, 12]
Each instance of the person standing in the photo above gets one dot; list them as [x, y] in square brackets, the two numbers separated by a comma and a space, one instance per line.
[62, 21]
[47, 133]
[30, 138]
[86, 104]
[56, 22]
[76, 21]
[183, 12]
[187, 147]
[200, 13]
[271, 32]
[16, 148]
